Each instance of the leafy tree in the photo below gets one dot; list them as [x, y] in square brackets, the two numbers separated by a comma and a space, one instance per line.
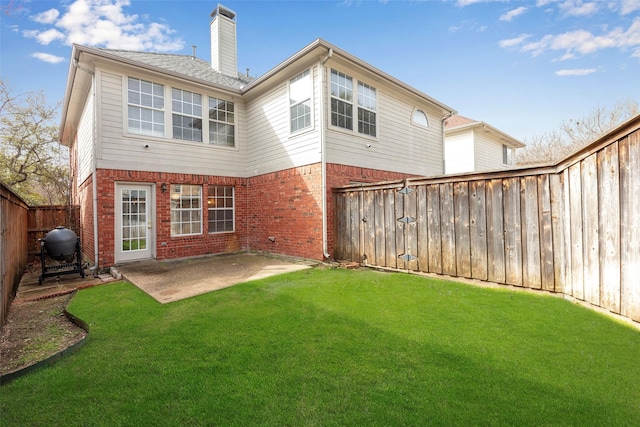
[32, 162]
[575, 134]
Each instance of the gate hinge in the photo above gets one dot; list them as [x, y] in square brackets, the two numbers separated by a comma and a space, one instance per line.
[406, 190]
[407, 257]
[407, 219]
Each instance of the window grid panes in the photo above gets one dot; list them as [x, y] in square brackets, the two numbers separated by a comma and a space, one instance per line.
[187, 115]
[145, 107]
[300, 101]
[342, 104]
[220, 203]
[186, 210]
[134, 220]
[221, 122]
[420, 118]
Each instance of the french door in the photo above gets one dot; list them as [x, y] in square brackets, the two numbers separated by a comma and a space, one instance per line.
[134, 224]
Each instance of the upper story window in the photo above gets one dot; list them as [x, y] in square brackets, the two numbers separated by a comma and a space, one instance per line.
[187, 115]
[420, 118]
[221, 122]
[145, 107]
[300, 90]
[342, 104]
[341, 100]
[366, 109]
[507, 155]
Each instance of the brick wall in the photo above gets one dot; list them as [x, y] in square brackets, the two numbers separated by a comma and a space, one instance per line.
[279, 212]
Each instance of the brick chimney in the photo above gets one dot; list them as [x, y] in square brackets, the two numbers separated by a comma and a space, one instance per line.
[224, 51]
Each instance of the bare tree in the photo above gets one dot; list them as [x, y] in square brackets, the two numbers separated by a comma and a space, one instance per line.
[32, 162]
[575, 134]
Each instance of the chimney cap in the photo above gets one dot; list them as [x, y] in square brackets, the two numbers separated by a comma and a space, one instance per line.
[224, 11]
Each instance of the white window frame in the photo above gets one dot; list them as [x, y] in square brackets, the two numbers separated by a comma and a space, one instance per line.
[182, 203]
[151, 107]
[507, 155]
[299, 95]
[186, 109]
[354, 97]
[417, 112]
[224, 120]
[212, 206]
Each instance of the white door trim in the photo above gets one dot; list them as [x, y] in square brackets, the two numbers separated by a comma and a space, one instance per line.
[132, 240]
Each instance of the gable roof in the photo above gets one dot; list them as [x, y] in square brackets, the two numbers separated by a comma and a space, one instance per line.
[459, 123]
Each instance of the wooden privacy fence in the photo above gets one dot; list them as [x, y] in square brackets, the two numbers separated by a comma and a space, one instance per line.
[42, 219]
[13, 246]
[571, 228]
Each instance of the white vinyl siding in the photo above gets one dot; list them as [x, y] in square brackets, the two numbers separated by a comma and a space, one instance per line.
[399, 147]
[488, 152]
[117, 149]
[459, 153]
[272, 146]
[85, 141]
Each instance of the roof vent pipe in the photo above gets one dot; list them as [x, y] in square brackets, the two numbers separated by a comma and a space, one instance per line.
[193, 52]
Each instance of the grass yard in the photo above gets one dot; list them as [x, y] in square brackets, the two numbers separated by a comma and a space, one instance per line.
[336, 347]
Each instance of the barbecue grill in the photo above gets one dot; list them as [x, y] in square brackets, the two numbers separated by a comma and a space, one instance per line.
[61, 247]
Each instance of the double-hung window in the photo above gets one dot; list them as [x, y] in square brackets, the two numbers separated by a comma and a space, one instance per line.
[186, 210]
[221, 122]
[343, 104]
[145, 107]
[341, 100]
[366, 109]
[221, 208]
[187, 115]
[300, 101]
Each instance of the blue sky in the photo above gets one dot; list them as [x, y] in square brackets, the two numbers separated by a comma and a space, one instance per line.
[521, 66]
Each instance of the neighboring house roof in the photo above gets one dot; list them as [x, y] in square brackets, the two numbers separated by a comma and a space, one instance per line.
[458, 123]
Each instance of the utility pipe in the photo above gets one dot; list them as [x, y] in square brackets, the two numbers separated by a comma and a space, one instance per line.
[94, 162]
[323, 156]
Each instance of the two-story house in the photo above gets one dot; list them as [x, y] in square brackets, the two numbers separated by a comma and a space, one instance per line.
[174, 156]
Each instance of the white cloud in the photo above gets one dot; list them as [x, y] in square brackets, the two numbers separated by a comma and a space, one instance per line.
[508, 16]
[47, 57]
[463, 3]
[104, 23]
[48, 17]
[576, 72]
[578, 8]
[629, 6]
[506, 43]
[44, 37]
[582, 42]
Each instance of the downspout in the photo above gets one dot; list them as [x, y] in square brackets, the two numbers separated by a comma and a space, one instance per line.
[95, 163]
[444, 161]
[323, 158]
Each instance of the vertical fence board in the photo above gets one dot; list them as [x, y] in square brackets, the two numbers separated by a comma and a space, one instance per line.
[513, 234]
[531, 273]
[381, 230]
[568, 246]
[354, 226]
[591, 256]
[546, 234]
[411, 228]
[401, 243]
[423, 228]
[447, 229]
[495, 232]
[391, 255]
[369, 229]
[478, 229]
[461, 226]
[609, 225]
[435, 238]
[575, 218]
[630, 225]
[342, 239]
[556, 192]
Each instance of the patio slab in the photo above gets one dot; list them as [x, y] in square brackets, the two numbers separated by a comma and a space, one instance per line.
[172, 280]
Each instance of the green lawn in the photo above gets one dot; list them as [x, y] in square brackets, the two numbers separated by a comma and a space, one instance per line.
[336, 347]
